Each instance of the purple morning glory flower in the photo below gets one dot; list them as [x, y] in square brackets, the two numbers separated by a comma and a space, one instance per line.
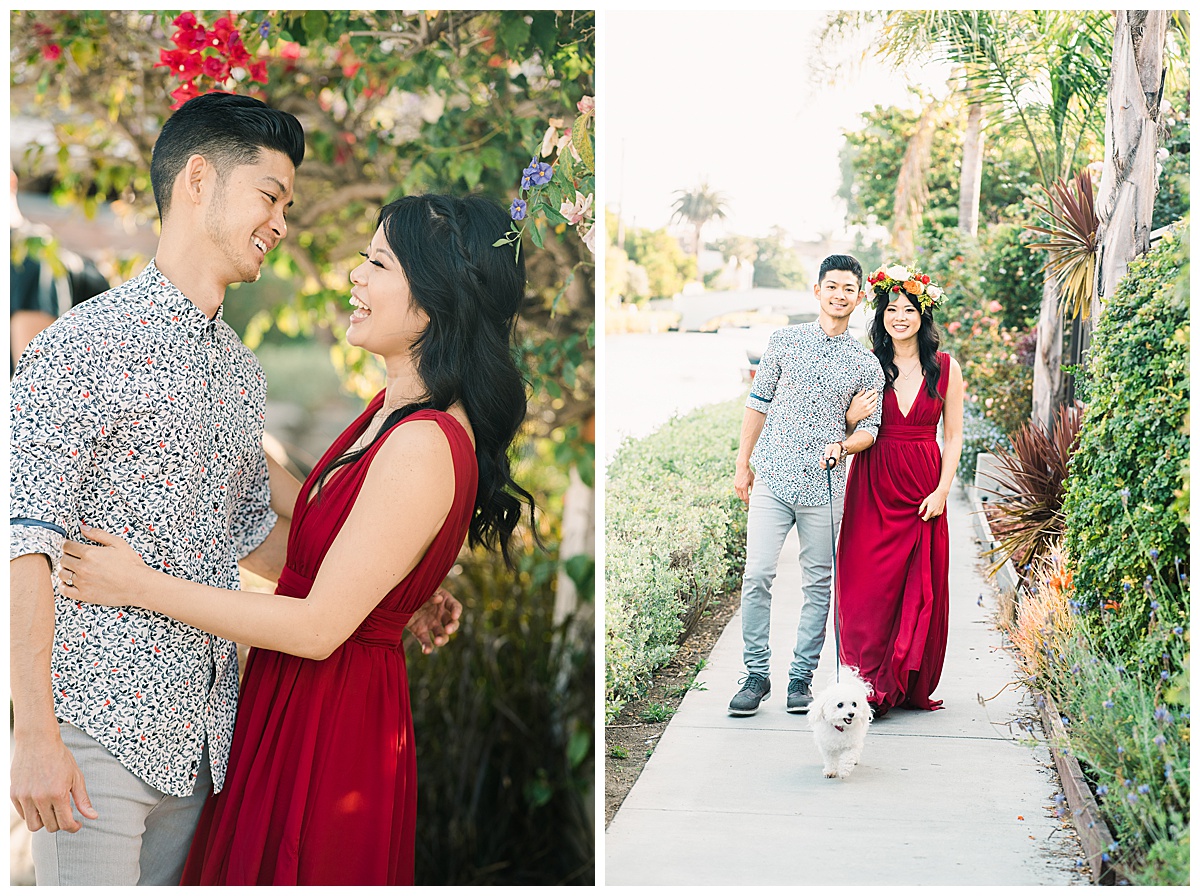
[264, 29]
[518, 209]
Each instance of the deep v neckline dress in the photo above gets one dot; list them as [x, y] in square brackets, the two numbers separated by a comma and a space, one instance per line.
[893, 593]
[322, 778]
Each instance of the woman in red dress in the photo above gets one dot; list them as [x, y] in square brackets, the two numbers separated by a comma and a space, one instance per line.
[321, 784]
[892, 585]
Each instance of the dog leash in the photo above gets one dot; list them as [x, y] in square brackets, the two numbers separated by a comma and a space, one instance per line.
[830, 463]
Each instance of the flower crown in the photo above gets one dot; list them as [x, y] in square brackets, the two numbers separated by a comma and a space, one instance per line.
[897, 278]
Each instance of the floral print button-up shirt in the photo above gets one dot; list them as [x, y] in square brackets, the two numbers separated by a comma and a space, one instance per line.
[804, 384]
[139, 415]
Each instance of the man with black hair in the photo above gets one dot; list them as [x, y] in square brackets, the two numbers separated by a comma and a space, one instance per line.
[140, 411]
[795, 420]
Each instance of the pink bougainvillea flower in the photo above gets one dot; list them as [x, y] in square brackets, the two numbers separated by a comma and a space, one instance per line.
[190, 38]
[289, 50]
[51, 52]
[258, 72]
[184, 64]
[184, 92]
[235, 50]
[576, 211]
[994, 306]
[222, 29]
[215, 67]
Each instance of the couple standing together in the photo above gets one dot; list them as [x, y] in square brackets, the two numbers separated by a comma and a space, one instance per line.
[139, 483]
[818, 397]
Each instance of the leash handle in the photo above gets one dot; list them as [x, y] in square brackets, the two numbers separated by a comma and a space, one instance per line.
[830, 463]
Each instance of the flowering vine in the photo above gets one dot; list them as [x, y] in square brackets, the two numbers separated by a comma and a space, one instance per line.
[206, 59]
[562, 193]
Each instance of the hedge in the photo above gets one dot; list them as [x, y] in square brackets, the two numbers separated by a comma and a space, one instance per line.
[1128, 544]
[675, 535]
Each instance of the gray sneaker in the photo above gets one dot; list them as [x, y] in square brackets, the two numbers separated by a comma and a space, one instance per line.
[755, 689]
[799, 695]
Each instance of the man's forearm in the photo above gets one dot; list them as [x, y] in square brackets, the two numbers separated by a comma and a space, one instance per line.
[31, 636]
[859, 441]
[752, 427]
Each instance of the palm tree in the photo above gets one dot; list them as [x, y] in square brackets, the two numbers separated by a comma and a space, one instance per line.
[1129, 180]
[698, 206]
[1037, 74]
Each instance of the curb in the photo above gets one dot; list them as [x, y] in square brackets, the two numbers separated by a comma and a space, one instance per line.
[1085, 813]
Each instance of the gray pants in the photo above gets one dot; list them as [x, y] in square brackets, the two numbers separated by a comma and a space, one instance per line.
[768, 524]
[141, 837]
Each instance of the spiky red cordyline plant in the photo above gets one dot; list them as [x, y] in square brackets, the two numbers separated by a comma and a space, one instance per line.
[1072, 243]
[1031, 480]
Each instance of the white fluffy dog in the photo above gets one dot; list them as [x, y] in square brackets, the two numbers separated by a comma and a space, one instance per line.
[839, 718]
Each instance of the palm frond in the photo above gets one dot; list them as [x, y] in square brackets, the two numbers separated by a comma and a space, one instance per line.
[1072, 240]
[1032, 481]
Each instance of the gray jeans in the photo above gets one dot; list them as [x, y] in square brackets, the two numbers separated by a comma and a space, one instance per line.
[141, 837]
[768, 524]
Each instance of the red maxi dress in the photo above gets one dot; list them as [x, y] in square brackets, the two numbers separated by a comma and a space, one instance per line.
[321, 786]
[893, 593]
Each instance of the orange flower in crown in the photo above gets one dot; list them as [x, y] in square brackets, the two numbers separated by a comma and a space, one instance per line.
[896, 278]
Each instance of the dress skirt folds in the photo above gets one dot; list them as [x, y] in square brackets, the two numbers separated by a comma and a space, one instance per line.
[322, 778]
[892, 568]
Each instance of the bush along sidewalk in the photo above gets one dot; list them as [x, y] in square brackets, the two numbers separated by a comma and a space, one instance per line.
[675, 536]
[1103, 631]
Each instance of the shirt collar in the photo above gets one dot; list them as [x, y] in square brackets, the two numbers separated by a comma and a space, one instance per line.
[177, 306]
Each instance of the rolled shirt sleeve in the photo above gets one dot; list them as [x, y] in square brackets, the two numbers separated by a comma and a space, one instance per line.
[57, 412]
[766, 377]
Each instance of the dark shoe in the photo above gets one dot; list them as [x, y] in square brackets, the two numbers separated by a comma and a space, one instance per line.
[799, 695]
[755, 689]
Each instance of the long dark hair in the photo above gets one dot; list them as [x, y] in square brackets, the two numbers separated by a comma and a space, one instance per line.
[928, 341]
[471, 292]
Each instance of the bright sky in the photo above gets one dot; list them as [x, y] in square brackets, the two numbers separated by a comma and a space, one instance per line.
[728, 95]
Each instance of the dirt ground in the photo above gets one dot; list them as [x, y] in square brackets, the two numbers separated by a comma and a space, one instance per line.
[630, 740]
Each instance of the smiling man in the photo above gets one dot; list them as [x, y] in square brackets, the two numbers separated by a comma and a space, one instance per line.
[141, 412]
[795, 418]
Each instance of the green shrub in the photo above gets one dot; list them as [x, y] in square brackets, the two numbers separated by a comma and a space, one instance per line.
[1120, 528]
[504, 718]
[980, 436]
[675, 536]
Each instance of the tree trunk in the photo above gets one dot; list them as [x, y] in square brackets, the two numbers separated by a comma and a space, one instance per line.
[1047, 361]
[1125, 204]
[911, 190]
[971, 178]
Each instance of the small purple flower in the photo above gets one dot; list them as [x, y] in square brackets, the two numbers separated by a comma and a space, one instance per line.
[1145, 788]
[1178, 629]
[1124, 494]
[1161, 715]
[1166, 676]
[1119, 668]
[1153, 554]
[537, 174]
[1125, 586]
[264, 29]
[1133, 797]
[1160, 741]
[518, 209]
[1153, 605]
[1102, 790]
[1108, 704]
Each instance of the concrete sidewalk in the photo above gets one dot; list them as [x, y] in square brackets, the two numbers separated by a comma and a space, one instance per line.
[946, 797]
